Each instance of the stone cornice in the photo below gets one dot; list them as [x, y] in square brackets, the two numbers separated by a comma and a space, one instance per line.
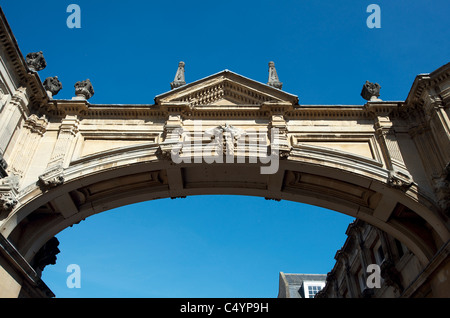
[427, 81]
[26, 77]
[60, 108]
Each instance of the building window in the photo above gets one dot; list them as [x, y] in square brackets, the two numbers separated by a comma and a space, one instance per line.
[379, 253]
[313, 290]
[362, 281]
[401, 249]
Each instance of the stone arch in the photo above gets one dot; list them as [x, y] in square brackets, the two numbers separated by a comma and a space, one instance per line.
[47, 212]
[385, 162]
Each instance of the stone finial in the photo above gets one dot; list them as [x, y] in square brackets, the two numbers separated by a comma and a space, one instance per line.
[179, 77]
[84, 89]
[371, 91]
[36, 61]
[273, 77]
[52, 85]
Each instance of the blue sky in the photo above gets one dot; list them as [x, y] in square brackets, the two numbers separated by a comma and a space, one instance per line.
[219, 246]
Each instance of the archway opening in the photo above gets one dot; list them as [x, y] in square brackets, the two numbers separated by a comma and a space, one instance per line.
[199, 246]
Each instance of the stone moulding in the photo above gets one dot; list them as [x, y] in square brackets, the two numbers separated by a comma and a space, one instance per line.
[335, 158]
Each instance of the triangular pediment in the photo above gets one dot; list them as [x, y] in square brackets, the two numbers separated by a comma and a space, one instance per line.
[225, 89]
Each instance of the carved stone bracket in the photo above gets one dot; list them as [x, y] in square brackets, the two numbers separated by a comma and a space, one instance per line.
[284, 153]
[399, 181]
[8, 201]
[52, 178]
[8, 193]
[46, 255]
[164, 153]
[391, 275]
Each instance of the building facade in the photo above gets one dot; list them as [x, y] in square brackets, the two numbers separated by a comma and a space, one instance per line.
[300, 285]
[372, 263]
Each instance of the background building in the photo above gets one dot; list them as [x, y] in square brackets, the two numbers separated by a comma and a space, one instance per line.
[367, 245]
[300, 285]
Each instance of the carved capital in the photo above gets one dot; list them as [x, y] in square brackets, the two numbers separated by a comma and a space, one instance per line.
[52, 85]
[84, 89]
[36, 61]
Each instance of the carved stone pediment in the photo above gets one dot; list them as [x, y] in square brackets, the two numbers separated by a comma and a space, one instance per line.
[225, 89]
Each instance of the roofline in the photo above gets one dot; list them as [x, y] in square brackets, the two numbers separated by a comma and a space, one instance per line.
[423, 79]
[23, 71]
[226, 71]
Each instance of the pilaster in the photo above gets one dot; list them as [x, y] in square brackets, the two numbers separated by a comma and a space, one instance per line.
[54, 174]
